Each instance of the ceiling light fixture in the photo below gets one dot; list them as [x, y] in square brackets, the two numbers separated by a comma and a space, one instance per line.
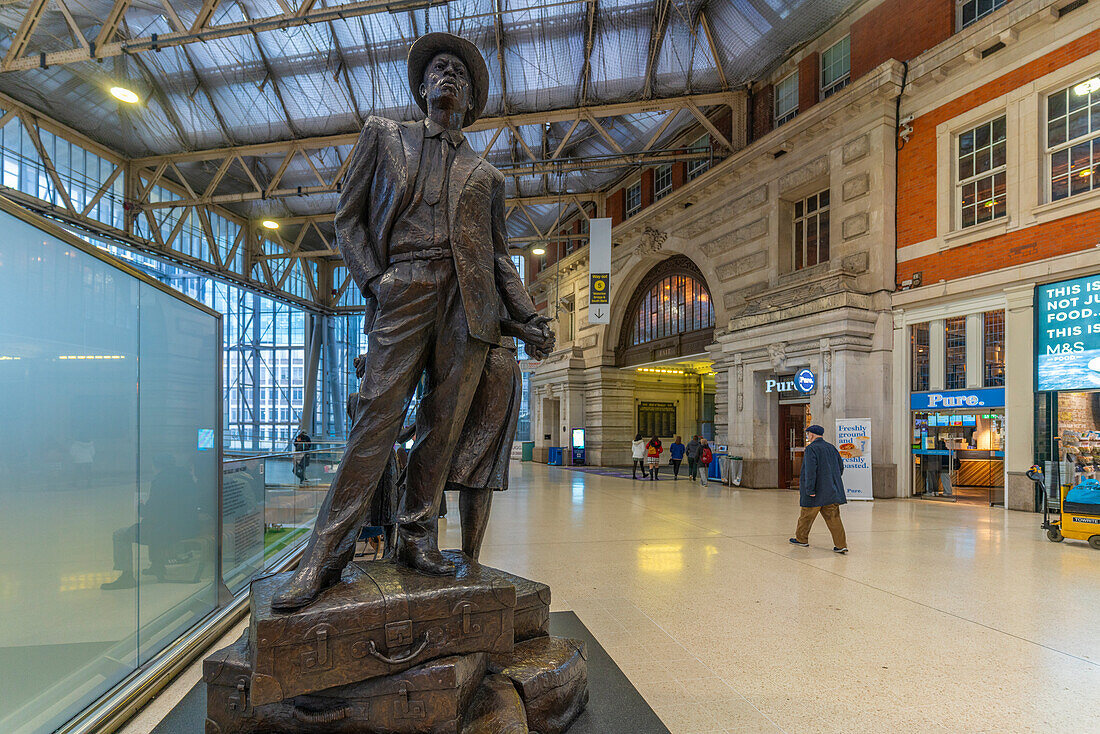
[270, 224]
[538, 251]
[124, 94]
[1087, 86]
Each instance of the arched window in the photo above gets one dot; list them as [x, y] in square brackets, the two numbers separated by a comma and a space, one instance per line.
[671, 314]
[676, 304]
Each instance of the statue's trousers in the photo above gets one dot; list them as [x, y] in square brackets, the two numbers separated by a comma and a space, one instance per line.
[419, 326]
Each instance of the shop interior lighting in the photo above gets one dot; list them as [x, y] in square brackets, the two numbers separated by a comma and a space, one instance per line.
[91, 356]
[270, 224]
[124, 94]
[538, 251]
[1088, 86]
[662, 371]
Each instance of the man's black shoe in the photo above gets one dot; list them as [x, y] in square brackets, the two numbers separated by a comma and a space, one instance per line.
[796, 541]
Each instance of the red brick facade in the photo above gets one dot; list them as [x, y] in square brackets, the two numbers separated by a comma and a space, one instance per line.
[809, 83]
[917, 188]
[899, 29]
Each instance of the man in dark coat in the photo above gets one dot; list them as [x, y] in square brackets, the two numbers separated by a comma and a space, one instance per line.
[694, 448]
[821, 490]
[421, 228]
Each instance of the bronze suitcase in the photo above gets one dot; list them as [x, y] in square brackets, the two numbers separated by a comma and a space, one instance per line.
[496, 709]
[429, 698]
[380, 619]
[551, 674]
[532, 616]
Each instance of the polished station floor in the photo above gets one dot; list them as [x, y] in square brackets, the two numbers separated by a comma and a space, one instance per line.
[943, 618]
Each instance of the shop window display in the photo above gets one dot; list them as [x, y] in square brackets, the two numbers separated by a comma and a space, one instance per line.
[959, 455]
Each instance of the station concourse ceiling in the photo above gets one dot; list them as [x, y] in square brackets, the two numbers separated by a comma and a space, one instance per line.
[253, 78]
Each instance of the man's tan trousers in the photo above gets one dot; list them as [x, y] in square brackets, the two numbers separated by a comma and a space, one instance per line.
[831, 513]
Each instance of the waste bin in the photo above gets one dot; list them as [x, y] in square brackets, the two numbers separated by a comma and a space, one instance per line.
[733, 471]
[527, 450]
[714, 471]
[555, 456]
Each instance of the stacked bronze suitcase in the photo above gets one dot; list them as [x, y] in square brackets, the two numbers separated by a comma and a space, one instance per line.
[391, 651]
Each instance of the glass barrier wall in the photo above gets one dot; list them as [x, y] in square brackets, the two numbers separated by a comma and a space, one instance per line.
[110, 392]
[269, 504]
[110, 397]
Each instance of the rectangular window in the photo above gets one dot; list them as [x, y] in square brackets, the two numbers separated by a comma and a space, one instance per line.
[836, 67]
[695, 168]
[920, 355]
[1073, 139]
[970, 11]
[786, 99]
[993, 341]
[633, 199]
[811, 231]
[662, 182]
[980, 185]
[954, 331]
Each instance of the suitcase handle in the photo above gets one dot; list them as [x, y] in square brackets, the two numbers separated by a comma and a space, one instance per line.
[373, 650]
[321, 717]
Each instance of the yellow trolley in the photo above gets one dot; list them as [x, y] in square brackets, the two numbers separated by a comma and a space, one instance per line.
[1076, 521]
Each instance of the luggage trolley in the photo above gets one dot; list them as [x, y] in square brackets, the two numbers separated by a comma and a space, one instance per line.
[1077, 520]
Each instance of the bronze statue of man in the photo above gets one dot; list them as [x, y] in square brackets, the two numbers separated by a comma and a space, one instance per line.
[421, 228]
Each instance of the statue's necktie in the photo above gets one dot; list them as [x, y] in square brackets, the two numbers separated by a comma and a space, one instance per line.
[437, 174]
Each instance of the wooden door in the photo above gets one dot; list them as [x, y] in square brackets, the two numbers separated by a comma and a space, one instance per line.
[792, 441]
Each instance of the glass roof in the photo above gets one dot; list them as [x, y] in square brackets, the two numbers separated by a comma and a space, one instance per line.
[326, 77]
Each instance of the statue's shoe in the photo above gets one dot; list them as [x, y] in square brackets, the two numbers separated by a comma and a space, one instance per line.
[423, 559]
[303, 588]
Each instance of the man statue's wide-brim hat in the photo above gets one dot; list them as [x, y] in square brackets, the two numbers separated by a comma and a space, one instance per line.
[425, 48]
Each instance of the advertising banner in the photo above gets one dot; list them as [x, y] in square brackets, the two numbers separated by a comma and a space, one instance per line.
[853, 441]
[599, 271]
[989, 397]
[1067, 335]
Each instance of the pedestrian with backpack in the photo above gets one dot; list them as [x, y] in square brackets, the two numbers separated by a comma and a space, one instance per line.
[705, 457]
[653, 457]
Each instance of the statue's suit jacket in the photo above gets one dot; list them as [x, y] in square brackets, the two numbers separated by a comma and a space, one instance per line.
[377, 188]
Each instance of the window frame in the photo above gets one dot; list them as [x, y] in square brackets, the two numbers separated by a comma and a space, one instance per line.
[926, 363]
[633, 190]
[1092, 136]
[975, 178]
[801, 216]
[828, 89]
[990, 366]
[790, 114]
[696, 168]
[960, 6]
[948, 371]
[660, 192]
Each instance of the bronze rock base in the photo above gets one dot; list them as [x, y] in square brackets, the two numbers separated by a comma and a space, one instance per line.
[390, 651]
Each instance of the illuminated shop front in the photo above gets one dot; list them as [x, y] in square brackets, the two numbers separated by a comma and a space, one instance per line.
[958, 445]
[956, 425]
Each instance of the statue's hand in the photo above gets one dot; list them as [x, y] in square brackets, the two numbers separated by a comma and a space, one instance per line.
[538, 337]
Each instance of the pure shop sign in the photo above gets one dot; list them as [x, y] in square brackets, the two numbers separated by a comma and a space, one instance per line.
[1067, 335]
[803, 382]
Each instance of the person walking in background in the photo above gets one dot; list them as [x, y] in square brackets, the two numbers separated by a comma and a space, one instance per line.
[821, 490]
[637, 449]
[692, 451]
[705, 457]
[675, 456]
[302, 445]
[653, 457]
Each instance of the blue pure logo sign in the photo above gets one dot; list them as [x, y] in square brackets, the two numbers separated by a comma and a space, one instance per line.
[805, 381]
[990, 397]
[802, 382]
